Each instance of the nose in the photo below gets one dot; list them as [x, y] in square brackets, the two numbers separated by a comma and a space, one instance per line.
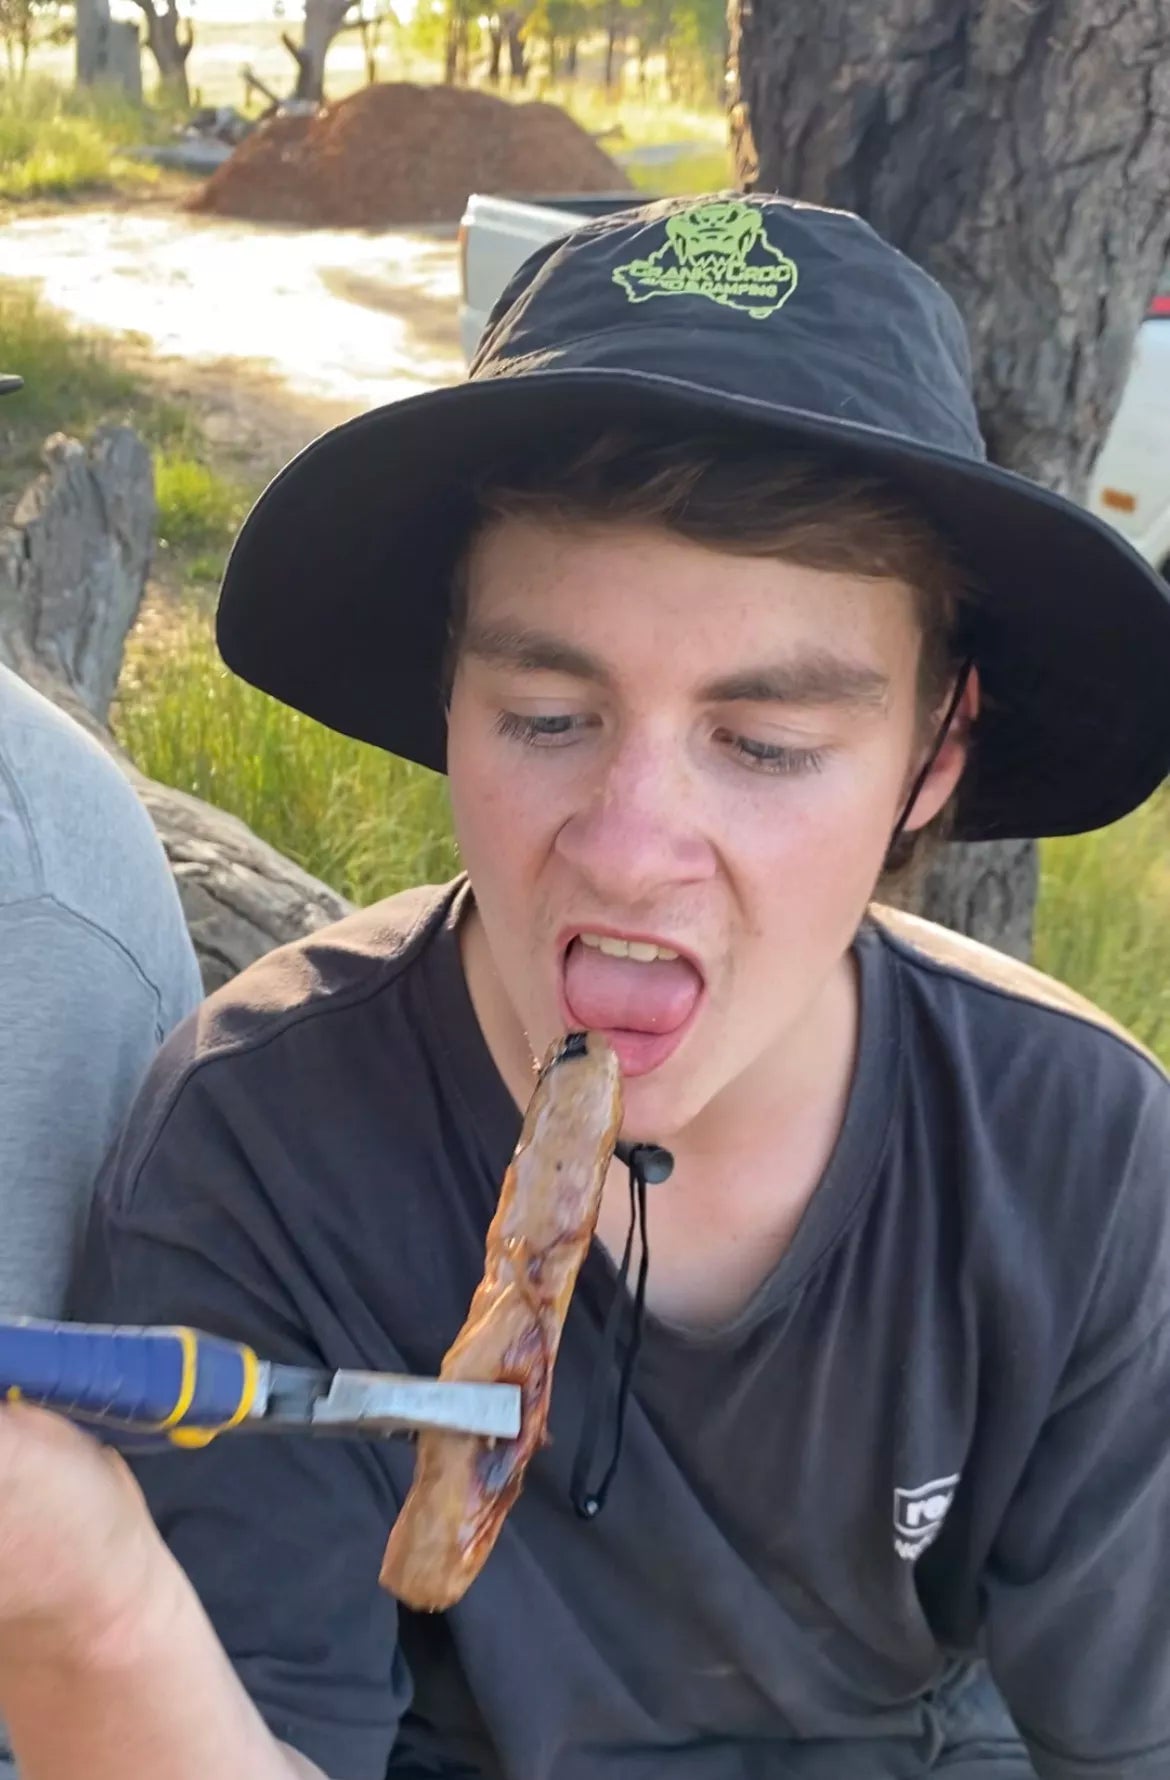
[639, 827]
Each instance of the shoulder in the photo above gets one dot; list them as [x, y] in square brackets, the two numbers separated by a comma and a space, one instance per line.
[326, 980]
[74, 832]
[1052, 1119]
[59, 785]
[1002, 994]
[290, 1038]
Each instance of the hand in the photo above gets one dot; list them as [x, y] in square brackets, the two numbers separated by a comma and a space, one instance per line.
[80, 1559]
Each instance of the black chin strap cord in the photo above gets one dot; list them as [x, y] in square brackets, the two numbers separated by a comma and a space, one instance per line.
[646, 1163]
[936, 747]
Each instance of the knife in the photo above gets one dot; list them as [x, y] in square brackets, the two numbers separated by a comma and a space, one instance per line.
[139, 1387]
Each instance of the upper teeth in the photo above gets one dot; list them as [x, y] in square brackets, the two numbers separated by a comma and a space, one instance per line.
[639, 949]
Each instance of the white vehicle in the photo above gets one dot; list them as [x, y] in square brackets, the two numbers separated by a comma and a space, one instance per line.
[497, 235]
[1131, 478]
[1130, 486]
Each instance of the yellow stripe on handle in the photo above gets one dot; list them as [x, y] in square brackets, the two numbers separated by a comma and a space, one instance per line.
[196, 1437]
[190, 1345]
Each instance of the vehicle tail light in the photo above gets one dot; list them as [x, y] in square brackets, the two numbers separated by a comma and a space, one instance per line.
[1119, 499]
[1160, 306]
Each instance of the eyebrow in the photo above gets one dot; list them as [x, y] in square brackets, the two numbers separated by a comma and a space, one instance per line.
[815, 677]
[531, 651]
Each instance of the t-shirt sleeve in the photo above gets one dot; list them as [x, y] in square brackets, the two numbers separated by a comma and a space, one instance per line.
[1077, 1593]
[281, 1535]
[78, 1029]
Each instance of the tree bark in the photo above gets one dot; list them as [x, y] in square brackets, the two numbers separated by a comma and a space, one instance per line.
[987, 891]
[73, 567]
[75, 560]
[370, 32]
[1017, 149]
[91, 40]
[517, 49]
[170, 40]
[611, 49]
[323, 21]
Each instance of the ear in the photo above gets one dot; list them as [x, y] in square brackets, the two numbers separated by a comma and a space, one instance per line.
[947, 767]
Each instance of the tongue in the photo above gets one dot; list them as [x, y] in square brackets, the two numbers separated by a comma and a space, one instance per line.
[606, 993]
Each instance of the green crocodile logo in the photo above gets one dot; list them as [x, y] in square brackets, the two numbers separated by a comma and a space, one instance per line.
[718, 251]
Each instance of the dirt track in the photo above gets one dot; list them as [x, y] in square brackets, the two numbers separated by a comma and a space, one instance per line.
[273, 334]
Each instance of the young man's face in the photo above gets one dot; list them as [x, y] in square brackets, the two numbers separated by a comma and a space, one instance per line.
[654, 745]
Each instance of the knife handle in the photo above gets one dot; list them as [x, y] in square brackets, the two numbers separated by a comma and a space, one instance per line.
[164, 1384]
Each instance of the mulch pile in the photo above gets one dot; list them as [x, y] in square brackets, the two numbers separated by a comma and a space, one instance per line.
[399, 153]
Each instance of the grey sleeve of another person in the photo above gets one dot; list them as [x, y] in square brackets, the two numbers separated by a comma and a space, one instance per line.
[79, 1024]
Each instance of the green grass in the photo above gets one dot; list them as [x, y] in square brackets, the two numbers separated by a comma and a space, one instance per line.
[365, 823]
[73, 382]
[708, 171]
[198, 509]
[69, 376]
[55, 143]
[1103, 920]
[205, 568]
[640, 123]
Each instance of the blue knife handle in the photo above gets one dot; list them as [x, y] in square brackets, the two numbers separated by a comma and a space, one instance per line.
[168, 1384]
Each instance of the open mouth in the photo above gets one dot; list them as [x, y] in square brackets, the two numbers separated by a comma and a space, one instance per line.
[642, 993]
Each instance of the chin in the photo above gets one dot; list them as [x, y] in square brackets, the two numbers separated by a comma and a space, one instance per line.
[656, 1112]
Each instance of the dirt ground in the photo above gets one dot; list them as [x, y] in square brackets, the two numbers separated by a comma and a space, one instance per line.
[272, 334]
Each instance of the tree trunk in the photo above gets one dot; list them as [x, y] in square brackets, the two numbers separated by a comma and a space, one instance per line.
[496, 50]
[988, 891]
[91, 28]
[323, 20]
[370, 32]
[73, 567]
[611, 49]
[1018, 151]
[169, 39]
[517, 49]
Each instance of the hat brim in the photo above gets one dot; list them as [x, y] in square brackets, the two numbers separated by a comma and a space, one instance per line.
[336, 595]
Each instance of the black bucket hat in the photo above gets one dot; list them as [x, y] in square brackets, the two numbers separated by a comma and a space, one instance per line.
[773, 319]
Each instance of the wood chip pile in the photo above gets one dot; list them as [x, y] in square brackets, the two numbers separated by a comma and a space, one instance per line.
[399, 153]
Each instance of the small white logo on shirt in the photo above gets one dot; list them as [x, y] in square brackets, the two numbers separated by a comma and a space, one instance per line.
[919, 1515]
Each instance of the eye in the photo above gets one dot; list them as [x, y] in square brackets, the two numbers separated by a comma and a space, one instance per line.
[772, 757]
[541, 732]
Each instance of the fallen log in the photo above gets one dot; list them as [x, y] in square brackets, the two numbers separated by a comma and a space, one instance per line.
[74, 564]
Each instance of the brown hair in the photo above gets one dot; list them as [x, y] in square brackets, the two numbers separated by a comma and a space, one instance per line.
[752, 500]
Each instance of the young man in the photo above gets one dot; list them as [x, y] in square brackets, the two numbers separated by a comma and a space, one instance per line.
[684, 588]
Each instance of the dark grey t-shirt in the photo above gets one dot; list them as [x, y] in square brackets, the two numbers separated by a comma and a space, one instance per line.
[941, 1428]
